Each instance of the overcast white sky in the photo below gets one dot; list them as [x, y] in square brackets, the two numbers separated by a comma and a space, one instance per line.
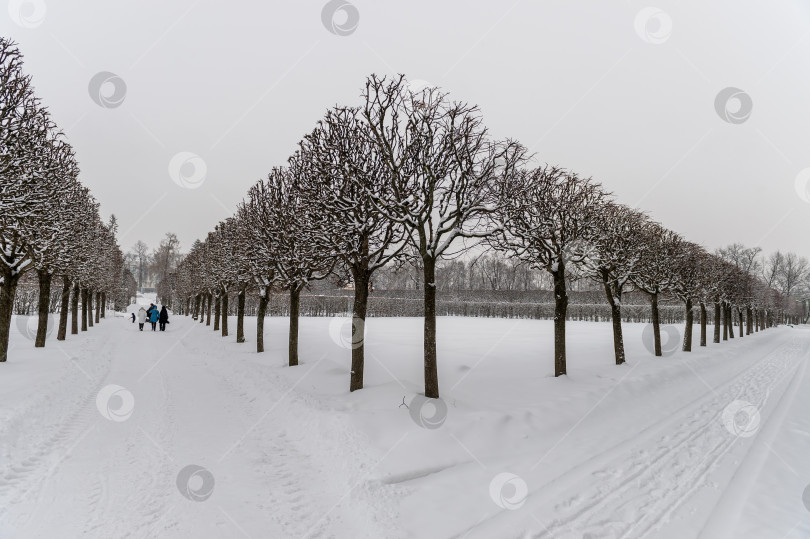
[584, 84]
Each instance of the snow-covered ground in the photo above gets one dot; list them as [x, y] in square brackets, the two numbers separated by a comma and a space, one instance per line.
[98, 433]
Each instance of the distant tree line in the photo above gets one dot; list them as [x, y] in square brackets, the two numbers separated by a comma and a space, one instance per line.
[412, 178]
[154, 266]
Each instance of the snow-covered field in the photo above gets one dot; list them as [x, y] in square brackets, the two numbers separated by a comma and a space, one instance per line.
[97, 435]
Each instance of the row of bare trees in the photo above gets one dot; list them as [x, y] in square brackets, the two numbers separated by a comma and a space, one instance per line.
[49, 222]
[413, 176]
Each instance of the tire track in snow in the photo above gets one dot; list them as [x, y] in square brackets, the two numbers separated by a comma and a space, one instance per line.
[40, 457]
[288, 456]
[637, 490]
[276, 458]
[118, 482]
[727, 510]
[149, 467]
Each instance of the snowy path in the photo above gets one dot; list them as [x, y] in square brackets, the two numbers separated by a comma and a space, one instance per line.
[633, 489]
[634, 451]
[683, 473]
[96, 477]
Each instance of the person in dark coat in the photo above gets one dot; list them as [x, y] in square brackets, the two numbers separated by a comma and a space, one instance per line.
[163, 318]
[133, 318]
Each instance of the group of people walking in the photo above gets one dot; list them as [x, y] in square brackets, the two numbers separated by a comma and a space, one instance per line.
[153, 315]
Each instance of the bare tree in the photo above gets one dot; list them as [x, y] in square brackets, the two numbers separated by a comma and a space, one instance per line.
[27, 186]
[343, 169]
[441, 162]
[259, 253]
[611, 258]
[771, 268]
[791, 273]
[53, 238]
[140, 252]
[164, 261]
[48, 222]
[747, 261]
[659, 250]
[687, 285]
[545, 212]
[298, 259]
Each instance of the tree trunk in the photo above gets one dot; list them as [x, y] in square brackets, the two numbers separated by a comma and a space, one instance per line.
[188, 306]
[749, 321]
[103, 304]
[725, 323]
[740, 320]
[205, 298]
[217, 311]
[98, 306]
[429, 337]
[703, 317]
[264, 299]
[687, 332]
[295, 297]
[8, 289]
[616, 317]
[224, 314]
[359, 310]
[716, 321]
[208, 310]
[63, 309]
[656, 322]
[240, 315]
[560, 312]
[730, 318]
[43, 307]
[84, 309]
[90, 308]
[74, 310]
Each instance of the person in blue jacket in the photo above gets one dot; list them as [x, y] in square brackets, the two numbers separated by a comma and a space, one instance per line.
[153, 317]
